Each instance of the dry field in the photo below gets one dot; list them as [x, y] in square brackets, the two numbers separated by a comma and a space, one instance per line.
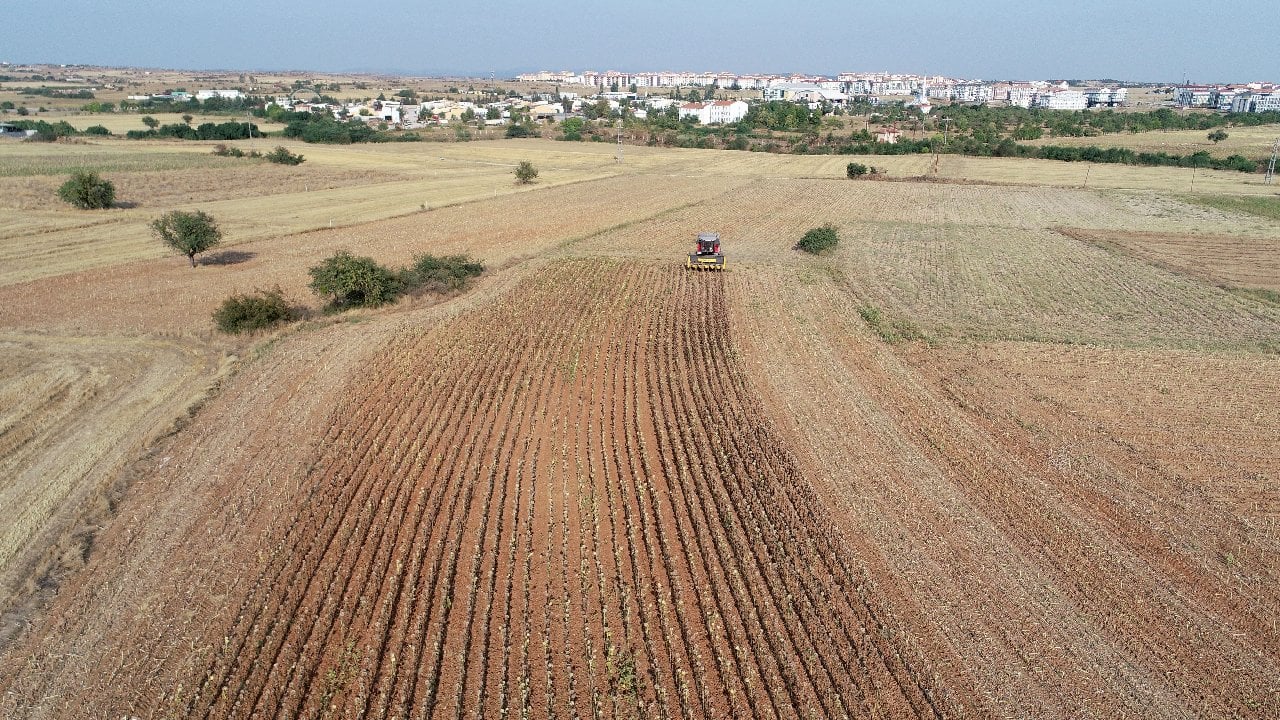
[598, 485]
[1251, 142]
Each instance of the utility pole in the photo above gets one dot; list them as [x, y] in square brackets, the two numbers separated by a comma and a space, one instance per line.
[1271, 166]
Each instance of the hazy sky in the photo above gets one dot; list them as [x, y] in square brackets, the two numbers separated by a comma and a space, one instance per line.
[1232, 40]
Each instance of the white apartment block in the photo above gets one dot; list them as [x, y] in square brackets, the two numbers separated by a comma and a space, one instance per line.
[1256, 102]
[1058, 99]
[224, 94]
[1106, 97]
[1194, 96]
[721, 111]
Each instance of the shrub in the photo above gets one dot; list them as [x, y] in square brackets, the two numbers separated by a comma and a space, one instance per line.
[348, 280]
[96, 130]
[87, 190]
[441, 273]
[190, 233]
[247, 313]
[525, 172]
[819, 240]
[282, 156]
[222, 150]
[854, 170]
[517, 131]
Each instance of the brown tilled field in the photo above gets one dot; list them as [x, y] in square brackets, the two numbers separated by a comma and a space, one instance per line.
[1009, 451]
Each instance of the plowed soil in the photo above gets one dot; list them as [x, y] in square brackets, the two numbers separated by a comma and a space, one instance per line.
[566, 503]
[597, 485]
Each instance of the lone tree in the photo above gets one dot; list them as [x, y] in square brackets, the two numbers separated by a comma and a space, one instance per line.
[525, 172]
[88, 191]
[150, 122]
[190, 233]
[1218, 136]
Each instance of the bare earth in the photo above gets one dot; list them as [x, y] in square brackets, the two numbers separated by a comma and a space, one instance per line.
[599, 485]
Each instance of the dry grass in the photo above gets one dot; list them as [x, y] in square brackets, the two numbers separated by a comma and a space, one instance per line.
[73, 411]
[1252, 142]
[985, 263]
[335, 187]
[1230, 261]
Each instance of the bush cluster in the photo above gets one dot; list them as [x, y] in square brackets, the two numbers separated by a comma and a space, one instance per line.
[206, 131]
[819, 240]
[249, 312]
[88, 191]
[348, 280]
[222, 150]
[282, 156]
[439, 274]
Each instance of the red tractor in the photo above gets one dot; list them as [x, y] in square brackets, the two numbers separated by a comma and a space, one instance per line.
[706, 255]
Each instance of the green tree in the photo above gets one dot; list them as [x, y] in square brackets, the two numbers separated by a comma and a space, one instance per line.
[819, 240]
[190, 233]
[353, 281]
[1218, 136]
[187, 119]
[855, 170]
[88, 191]
[150, 122]
[525, 172]
[572, 128]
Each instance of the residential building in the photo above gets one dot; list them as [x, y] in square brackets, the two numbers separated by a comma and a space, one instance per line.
[1256, 102]
[888, 135]
[719, 112]
[224, 94]
[1106, 97]
[1059, 99]
[1194, 96]
[14, 132]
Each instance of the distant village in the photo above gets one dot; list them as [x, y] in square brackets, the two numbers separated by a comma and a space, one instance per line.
[645, 93]
[636, 91]
[715, 98]
[886, 87]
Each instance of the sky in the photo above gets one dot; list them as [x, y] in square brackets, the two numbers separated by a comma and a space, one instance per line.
[1227, 41]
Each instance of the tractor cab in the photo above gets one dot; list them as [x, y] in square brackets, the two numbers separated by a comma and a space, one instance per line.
[706, 254]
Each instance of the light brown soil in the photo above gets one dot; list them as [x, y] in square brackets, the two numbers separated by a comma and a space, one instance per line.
[1244, 262]
[1074, 541]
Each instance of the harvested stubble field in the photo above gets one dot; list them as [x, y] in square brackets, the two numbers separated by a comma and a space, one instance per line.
[1252, 142]
[597, 485]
